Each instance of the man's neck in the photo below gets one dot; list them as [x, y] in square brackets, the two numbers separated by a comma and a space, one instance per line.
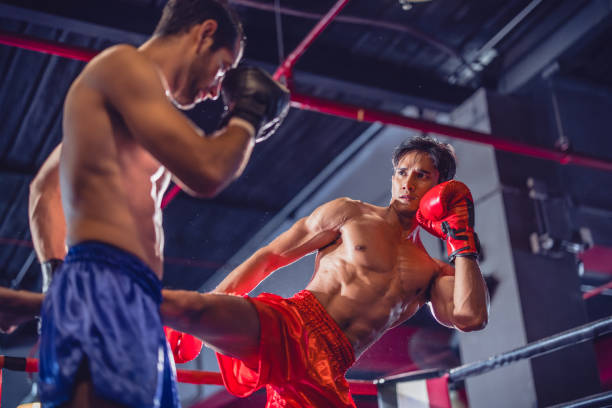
[407, 221]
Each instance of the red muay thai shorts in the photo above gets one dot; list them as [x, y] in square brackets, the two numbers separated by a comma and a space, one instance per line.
[302, 358]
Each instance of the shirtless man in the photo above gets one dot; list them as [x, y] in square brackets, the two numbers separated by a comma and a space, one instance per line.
[371, 273]
[102, 342]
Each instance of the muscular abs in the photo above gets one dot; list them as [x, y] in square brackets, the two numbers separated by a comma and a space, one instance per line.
[371, 278]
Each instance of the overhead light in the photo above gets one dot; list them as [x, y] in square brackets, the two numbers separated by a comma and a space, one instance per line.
[407, 4]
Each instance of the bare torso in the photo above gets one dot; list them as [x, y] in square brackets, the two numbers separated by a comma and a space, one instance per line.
[111, 186]
[374, 276]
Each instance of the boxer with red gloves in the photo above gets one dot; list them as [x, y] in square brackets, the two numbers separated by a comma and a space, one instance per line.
[371, 273]
[447, 212]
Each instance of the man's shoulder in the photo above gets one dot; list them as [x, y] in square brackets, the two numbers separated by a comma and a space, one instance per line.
[357, 206]
[117, 61]
[344, 204]
[336, 213]
[120, 71]
[118, 52]
[345, 208]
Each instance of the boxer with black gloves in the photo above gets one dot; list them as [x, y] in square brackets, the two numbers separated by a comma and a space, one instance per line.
[123, 141]
[254, 96]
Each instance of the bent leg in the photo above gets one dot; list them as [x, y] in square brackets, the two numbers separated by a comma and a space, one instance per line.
[228, 324]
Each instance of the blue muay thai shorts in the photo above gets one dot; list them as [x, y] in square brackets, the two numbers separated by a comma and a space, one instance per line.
[102, 313]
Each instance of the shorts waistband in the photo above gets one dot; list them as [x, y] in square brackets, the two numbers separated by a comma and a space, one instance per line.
[121, 261]
[316, 317]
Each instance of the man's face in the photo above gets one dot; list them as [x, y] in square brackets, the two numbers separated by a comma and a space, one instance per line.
[414, 175]
[205, 74]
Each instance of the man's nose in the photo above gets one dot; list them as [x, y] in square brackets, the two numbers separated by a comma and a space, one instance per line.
[409, 184]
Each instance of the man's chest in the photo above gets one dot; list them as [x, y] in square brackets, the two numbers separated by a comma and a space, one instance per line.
[382, 248]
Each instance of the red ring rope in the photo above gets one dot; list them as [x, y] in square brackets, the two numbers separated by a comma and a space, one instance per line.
[30, 365]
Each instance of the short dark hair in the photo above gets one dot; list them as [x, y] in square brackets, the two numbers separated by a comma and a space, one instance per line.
[180, 15]
[441, 153]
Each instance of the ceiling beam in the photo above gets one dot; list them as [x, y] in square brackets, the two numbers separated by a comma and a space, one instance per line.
[322, 67]
[113, 20]
[549, 49]
[339, 63]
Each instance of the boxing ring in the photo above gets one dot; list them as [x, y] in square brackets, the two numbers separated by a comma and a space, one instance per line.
[390, 391]
[406, 390]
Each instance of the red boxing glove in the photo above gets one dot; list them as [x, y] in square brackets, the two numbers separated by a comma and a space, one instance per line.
[447, 211]
[185, 347]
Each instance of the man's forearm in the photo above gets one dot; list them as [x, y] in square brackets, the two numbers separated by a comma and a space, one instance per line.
[470, 295]
[248, 275]
[221, 158]
[18, 306]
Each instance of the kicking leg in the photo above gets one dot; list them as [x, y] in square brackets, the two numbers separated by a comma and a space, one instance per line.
[228, 324]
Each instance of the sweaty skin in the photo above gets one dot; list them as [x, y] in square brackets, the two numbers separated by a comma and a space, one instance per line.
[112, 187]
[371, 272]
[374, 275]
[123, 138]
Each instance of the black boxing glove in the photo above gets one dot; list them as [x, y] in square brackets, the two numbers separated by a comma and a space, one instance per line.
[48, 268]
[254, 96]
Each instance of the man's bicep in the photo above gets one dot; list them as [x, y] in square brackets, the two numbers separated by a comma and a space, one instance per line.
[441, 299]
[300, 240]
[312, 232]
[160, 129]
[320, 229]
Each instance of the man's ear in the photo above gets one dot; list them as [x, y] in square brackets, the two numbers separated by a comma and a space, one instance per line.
[206, 31]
